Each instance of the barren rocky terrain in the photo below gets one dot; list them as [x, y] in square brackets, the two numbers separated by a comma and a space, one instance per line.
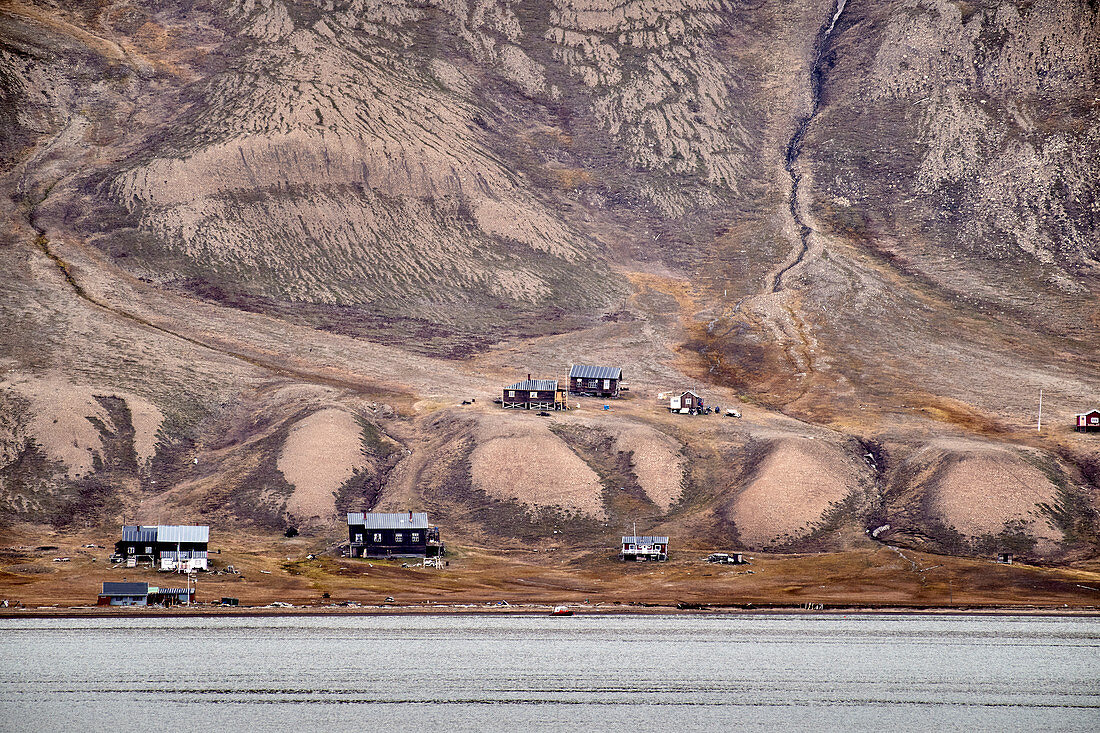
[257, 253]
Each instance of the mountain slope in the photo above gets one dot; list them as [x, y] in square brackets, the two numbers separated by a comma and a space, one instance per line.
[257, 253]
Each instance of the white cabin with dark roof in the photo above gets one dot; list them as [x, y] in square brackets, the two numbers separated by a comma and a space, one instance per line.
[644, 548]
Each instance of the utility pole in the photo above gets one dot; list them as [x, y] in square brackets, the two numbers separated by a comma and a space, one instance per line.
[1039, 423]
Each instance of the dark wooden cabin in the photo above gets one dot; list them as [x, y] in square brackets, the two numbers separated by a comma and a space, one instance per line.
[141, 594]
[1088, 422]
[124, 594]
[595, 381]
[405, 534]
[167, 547]
[534, 394]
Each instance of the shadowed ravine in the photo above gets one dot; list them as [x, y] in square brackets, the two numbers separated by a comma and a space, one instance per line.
[794, 147]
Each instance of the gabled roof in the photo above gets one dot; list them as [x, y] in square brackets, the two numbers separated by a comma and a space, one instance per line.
[539, 385]
[125, 589]
[646, 540]
[1090, 412]
[688, 391]
[580, 371]
[374, 520]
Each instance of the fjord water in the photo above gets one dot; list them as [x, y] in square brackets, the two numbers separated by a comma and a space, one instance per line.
[484, 673]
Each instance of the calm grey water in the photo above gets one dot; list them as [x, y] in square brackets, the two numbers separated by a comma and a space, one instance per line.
[488, 673]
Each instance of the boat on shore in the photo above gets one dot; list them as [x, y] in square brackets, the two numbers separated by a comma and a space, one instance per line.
[561, 611]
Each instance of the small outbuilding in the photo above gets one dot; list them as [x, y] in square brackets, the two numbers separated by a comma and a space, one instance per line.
[534, 394]
[404, 534]
[687, 403]
[1088, 422]
[727, 558]
[595, 381]
[644, 548]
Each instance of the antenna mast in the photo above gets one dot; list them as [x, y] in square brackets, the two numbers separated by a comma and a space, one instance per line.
[1039, 423]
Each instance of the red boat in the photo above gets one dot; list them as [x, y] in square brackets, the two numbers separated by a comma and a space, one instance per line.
[561, 611]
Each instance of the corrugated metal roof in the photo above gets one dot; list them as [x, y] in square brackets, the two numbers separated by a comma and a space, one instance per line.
[580, 371]
[540, 385]
[136, 533]
[645, 540]
[374, 520]
[125, 589]
[183, 533]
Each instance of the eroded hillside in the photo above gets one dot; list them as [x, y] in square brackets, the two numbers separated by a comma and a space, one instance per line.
[256, 254]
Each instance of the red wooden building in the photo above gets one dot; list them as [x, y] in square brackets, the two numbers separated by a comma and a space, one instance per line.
[1088, 422]
[686, 403]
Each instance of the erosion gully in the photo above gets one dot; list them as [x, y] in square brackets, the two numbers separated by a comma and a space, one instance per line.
[794, 146]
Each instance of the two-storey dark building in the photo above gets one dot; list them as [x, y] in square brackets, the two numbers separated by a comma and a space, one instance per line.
[168, 547]
[534, 394]
[406, 534]
[595, 381]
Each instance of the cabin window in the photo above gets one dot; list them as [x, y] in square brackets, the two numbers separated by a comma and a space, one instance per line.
[148, 550]
[358, 538]
[511, 393]
[397, 536]
[377, 536]
[1094, 420]
[415, 537]
[129, 550]
[534, 394]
